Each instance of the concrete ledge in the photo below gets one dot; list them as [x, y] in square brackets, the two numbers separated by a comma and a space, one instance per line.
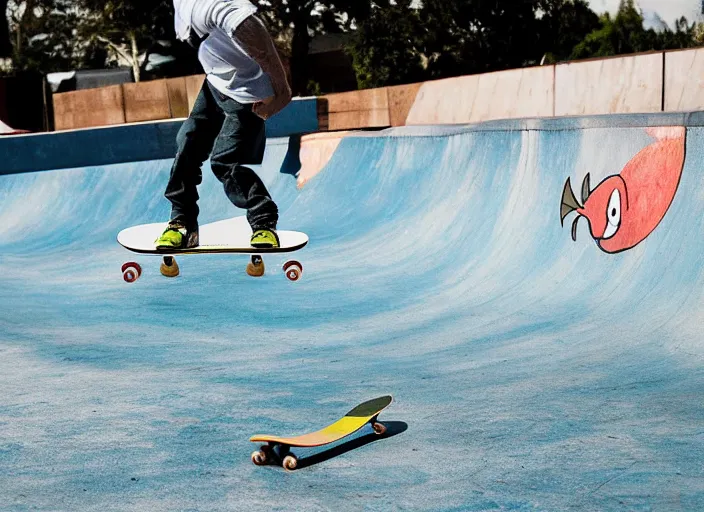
[687, 119]
[298, 118]
[126, 143]
[157, 140]
[88, 147]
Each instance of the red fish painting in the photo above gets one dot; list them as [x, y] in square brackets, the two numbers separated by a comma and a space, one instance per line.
[624, 209]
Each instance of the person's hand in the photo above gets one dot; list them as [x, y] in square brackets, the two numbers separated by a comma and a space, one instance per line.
[272, 105]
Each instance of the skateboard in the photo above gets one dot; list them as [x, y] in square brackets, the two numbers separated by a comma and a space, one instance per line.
[229, 236]
[278, 449]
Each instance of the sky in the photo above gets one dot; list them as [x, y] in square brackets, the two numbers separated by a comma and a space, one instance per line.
[668, 10]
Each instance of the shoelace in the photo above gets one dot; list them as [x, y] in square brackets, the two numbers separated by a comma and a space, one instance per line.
[177, 229]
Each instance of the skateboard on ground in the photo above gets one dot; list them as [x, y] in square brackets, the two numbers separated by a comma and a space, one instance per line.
[229, 236]
[278, 449]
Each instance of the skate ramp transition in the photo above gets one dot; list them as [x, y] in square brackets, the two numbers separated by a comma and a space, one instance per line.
[530, 371]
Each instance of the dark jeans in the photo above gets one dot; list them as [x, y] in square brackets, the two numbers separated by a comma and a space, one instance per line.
[232, 135]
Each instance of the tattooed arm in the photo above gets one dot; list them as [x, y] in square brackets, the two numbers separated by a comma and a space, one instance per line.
[257, 42]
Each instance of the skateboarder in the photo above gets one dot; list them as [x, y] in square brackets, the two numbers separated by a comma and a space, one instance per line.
[246, 84]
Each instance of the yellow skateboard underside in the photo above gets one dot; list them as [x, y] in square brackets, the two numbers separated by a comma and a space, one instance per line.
[353, 421]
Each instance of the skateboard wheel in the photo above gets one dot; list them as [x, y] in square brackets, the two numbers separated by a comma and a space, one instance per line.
[169, 267]
[379, 429]
[290, 463]
[131, 271]
[293, 270]
[259, 458]
[255, 268]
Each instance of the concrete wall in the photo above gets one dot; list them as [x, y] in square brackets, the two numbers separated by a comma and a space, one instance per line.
[146, 101]
[684, 80]
[644, 83]
[401, 100]
[193, 86]
[620, 85]
[162, 100]
[89, 108]
[178, 97]
[471, 99]
[360, 109]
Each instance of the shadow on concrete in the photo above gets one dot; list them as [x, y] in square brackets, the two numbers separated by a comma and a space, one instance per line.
[292, 161]
[393, 428]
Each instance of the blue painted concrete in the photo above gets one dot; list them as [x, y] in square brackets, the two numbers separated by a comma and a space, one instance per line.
[299, 116]
[127, 143]
[529, 372]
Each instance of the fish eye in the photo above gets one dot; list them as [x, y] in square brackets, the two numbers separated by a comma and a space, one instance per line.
[613, 214]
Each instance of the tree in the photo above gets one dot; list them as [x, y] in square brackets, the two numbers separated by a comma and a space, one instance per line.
[625, 33]
[386, 49]
[130, 29]
[480, 35]
[42, 35]
[684, 35]
[615, 36]
[293, 23]
[5, 45]
[563, 25]
[456, 37]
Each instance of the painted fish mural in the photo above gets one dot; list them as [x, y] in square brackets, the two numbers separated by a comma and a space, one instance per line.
[625, 208]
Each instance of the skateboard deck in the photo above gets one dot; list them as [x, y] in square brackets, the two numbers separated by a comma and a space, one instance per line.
[221, 237]
[279, 447]
[224, 236]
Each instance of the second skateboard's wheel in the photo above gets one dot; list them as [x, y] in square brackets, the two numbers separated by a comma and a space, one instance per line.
[293, 270]
[169, 267]
[131, 271]
[290, 463]
[379, 429]
[255, 268]
[259, 458]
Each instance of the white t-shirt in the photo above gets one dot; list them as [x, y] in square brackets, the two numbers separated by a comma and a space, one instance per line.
[228, 66]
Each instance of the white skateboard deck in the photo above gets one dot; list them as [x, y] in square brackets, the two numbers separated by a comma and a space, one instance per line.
[225, 236]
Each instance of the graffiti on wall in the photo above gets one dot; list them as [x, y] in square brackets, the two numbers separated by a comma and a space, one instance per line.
[624, 209]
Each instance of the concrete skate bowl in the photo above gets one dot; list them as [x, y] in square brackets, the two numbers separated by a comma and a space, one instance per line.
[529, 371]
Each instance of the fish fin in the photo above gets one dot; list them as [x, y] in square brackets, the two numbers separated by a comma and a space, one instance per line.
[574, 228]
[569, 202]
[586, 190]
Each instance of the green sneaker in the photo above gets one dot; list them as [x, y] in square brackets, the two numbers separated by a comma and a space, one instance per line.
[177, 236]
[265, 239]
